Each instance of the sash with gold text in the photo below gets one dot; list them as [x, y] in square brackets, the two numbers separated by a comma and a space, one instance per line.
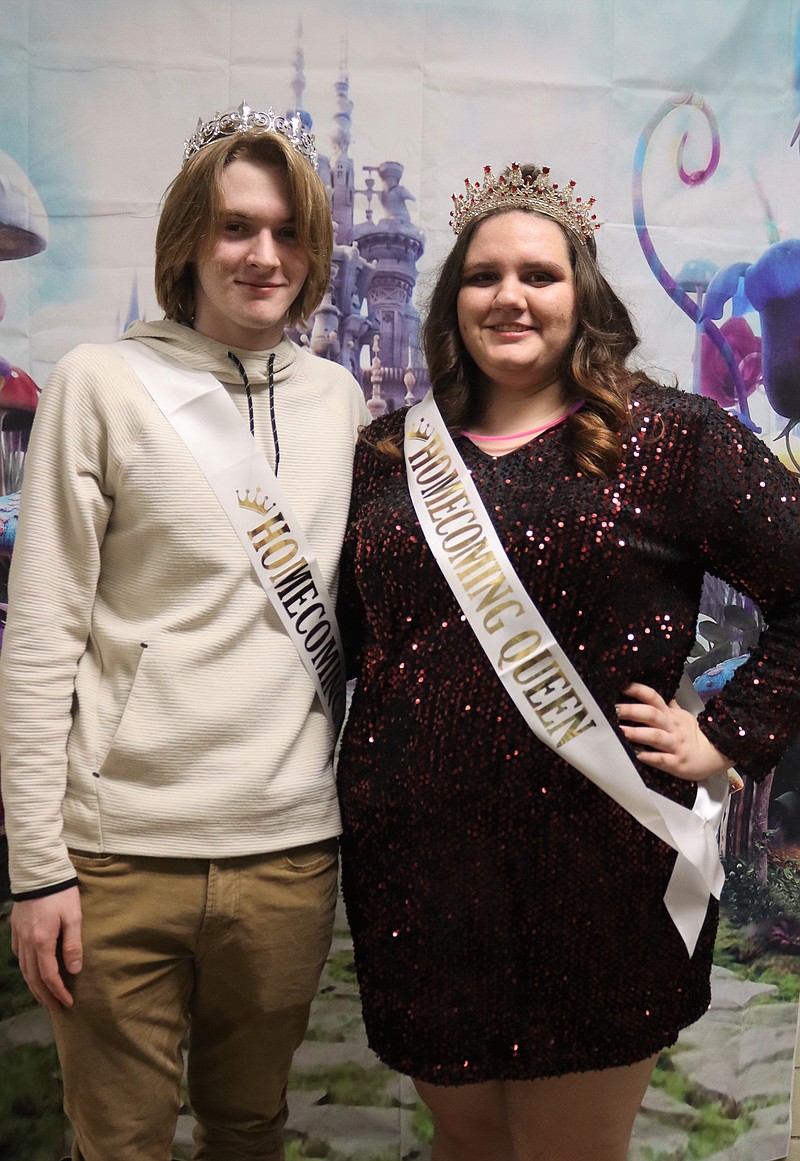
[537, 674]
[206, 419]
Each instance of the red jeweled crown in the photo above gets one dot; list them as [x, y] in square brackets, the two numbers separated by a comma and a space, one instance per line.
[514, 190]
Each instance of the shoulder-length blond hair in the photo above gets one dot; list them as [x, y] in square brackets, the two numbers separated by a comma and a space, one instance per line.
[192, 216]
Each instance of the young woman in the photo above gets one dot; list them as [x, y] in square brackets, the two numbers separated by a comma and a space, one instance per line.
[530, 866]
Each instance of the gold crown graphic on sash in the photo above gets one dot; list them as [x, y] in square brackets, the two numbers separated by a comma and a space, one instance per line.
[254, 503]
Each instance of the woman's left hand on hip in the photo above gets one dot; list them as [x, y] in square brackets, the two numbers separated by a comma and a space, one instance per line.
[667, 737]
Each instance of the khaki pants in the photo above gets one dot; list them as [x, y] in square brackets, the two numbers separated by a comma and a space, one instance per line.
[236, 948]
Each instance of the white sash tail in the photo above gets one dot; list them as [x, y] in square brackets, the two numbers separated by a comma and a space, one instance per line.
[206, 419]
[537, 674]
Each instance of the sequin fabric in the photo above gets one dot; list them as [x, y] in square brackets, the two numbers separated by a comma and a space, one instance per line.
[507, 916]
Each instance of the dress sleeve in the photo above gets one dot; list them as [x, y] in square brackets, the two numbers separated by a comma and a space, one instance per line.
[746, 517]
[64, 510]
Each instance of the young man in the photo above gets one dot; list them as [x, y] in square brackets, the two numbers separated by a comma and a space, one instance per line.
[171, 670]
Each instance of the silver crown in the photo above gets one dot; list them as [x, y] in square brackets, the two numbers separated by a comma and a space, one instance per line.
[516, 191]
[245, 120]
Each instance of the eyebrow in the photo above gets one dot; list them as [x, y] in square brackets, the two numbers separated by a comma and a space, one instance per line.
[546, 264]
[244, 216]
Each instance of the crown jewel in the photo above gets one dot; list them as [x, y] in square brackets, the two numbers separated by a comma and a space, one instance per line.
[245, 120]
[514, 190]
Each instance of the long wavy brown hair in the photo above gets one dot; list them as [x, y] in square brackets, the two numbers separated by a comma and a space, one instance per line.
[595, 366]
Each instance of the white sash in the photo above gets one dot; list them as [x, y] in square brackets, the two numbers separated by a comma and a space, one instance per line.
[537, 674]
[207, 420]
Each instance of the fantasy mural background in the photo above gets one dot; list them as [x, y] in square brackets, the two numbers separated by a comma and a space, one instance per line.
[682, 119]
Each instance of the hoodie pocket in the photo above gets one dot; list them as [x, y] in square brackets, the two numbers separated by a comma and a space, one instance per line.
[119, 695]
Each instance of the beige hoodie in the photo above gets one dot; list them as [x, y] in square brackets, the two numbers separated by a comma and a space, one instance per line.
[150, 701]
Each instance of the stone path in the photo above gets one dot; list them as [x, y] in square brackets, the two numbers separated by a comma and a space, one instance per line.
[346, 1106]
[748, 1085]
[740, 1057]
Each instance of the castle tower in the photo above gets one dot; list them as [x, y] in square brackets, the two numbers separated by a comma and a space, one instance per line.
[374, 266]
[341, 171]
[298, 86]
[394, 244]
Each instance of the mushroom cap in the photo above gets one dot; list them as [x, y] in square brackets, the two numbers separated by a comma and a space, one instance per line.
[696, 274]
[23, 221]
[776, 274]
[18, 392]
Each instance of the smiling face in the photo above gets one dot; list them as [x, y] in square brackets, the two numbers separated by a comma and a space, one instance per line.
[516, 307]
[254, 270]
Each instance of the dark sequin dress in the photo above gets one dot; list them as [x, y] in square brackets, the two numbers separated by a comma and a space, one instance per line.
[507, 916]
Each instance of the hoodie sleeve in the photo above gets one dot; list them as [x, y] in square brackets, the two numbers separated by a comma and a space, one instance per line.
[67, 499]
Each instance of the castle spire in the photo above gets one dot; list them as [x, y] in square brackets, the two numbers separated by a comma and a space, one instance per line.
[299, 80]
[342, 121]
[342, 179]
[298, 85]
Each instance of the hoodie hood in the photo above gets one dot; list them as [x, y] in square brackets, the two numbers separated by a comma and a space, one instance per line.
[199, 353]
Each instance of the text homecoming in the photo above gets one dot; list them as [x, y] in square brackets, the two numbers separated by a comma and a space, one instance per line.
[482, 589]
[310, 621]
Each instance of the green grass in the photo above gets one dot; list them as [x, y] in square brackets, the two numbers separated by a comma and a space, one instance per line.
[422, 1123]
[31, 1119]
[344, 1030]
[747, 899]
[717, 1127]
[347, 1084]
[14, 994]
[301, 1150]
[342, 968]
[733, 951]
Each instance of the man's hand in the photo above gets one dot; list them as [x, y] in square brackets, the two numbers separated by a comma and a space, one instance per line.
[37, 926]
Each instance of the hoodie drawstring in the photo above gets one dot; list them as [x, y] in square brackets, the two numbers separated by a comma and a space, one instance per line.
[271, 379]
[271, 384]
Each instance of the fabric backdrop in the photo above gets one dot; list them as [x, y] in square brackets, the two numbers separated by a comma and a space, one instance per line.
[681, 114]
